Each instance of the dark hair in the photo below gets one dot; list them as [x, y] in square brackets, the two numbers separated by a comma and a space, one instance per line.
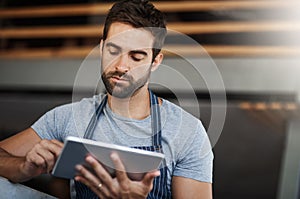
[139, 14]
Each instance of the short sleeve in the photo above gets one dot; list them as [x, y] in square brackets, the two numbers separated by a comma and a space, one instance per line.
[52, 124]
[196, 159]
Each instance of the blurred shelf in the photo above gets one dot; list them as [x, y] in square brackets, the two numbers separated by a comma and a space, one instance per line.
[220, 37]
[168, 6]
[169, 50]
[181, 27]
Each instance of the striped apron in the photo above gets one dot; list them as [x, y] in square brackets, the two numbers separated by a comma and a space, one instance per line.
[160, 188]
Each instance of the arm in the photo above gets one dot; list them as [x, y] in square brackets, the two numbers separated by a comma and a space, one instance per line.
[191, 189]
[25, 155]
[13, 151]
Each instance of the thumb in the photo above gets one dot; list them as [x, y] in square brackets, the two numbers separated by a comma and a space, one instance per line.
[149, 177]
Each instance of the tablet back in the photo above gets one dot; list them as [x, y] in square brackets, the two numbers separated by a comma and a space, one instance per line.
[137, 162]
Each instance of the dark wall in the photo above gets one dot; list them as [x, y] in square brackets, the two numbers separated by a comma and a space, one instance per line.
[248, 157]
[19, 109]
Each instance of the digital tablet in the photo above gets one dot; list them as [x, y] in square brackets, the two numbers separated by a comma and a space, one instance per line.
[137, 162]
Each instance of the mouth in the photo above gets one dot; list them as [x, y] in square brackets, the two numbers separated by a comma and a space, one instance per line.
[118, 79]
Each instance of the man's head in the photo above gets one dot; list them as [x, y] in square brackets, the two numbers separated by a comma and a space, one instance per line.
[133, 35]
[138, 14]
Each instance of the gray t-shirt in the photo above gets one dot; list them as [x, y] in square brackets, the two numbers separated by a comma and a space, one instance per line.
[184, 139]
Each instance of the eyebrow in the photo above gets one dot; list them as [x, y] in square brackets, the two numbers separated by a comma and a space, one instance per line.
[110, 44]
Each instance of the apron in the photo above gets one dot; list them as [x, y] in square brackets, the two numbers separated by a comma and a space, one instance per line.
[160, 188]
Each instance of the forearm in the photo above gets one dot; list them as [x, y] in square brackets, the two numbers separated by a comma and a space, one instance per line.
[10, 167]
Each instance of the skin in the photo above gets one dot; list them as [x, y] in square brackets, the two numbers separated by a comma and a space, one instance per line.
[25, 155]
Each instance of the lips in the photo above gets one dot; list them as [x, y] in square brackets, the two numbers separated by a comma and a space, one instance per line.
[119, 79]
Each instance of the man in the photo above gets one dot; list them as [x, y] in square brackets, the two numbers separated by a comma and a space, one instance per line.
[129, 114]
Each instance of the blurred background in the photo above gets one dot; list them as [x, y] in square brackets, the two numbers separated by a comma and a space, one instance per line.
[49, 57]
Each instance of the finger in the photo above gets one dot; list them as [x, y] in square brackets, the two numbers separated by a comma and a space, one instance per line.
[149, 177]
[35, 159]
[100, 171]
[48, 157]
[49, 150]
[105, 177]
[58, 143]
[31, 169]
[91, 180]
[54, 146]
[120, 172]
[43, 151]
[85, 181]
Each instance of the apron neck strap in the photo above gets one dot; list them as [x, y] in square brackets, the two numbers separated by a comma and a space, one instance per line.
[155, 119]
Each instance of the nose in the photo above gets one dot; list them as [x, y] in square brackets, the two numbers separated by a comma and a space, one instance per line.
[122, 64]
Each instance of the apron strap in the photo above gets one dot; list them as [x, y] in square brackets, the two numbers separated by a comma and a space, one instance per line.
[155, 119]
[93, 122]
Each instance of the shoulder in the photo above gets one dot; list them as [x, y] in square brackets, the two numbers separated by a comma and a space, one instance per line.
[82, 104]
[181, 127]
[74, 110]
[178, 115]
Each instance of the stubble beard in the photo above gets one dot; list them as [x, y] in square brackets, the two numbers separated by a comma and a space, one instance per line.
[120, 90]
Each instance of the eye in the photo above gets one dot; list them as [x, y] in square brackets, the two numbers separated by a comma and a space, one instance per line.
[113, 51]
[137, 57]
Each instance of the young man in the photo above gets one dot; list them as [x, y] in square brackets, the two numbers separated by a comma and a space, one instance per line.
[129, 114]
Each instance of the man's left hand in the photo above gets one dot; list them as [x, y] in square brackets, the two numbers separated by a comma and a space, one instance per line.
[119, 187]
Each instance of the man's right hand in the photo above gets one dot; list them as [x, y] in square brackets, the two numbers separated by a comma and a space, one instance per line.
[41, 158]
[25, 155]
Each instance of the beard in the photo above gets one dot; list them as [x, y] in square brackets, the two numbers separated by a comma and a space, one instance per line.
[126, 89]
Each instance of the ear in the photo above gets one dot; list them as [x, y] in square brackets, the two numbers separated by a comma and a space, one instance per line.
[101, 47]
[157, 61]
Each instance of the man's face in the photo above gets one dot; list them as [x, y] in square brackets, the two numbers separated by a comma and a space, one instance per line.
[126, 60]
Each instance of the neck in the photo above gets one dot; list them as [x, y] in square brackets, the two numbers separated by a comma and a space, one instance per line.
[135, 107]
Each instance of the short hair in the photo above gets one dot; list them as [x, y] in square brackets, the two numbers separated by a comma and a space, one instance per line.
[139, 14]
